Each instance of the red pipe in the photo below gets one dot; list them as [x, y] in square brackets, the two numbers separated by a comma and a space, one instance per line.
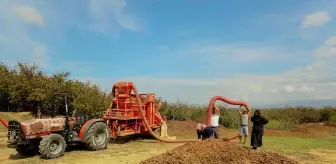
[4, 122]
[146, 122]
[227, 100]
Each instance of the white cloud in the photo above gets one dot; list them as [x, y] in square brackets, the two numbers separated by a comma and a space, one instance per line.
[106, 14]
[16, 43]
[229, 55]
[314, 81]
[28, 14]
[25, 25]
[315, 19]
[298, 88]
[328, 49]
[331, 41]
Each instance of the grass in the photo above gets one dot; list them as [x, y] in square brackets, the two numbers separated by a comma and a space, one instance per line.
[304, 150]
[295, 145]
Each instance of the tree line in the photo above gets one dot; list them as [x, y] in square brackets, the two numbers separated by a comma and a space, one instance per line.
[27, 88]
[279, 118]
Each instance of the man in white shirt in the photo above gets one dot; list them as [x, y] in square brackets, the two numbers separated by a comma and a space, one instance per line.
[214, 121]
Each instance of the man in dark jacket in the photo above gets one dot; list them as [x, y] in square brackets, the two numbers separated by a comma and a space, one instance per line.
[257, 129]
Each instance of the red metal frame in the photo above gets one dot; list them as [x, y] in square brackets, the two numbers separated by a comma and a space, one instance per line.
[124, 117]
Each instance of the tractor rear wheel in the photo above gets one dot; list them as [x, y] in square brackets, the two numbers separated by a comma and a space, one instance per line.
[52, 146]
[97, 137]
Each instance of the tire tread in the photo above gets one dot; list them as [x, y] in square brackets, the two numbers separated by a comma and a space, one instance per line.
[88, 143]
[44, 146]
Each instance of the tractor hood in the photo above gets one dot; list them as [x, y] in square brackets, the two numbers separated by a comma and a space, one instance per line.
[37, 126]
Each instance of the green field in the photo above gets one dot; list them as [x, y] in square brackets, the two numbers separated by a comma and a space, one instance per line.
[304, 149]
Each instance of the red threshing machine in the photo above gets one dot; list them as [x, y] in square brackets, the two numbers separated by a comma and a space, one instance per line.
[124, 116]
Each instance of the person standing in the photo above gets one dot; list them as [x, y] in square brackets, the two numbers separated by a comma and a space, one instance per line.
[243, 129]
[214, 121]
[257, 129]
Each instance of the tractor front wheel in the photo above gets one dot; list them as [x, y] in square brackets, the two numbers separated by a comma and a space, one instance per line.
[52, 146]
[97, 137]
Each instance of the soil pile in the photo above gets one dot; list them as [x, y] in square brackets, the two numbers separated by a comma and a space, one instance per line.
[181, 126]
[332, 124]
[217, 152]
[317, 129]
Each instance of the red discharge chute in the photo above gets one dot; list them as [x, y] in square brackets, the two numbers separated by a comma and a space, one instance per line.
[227, 100]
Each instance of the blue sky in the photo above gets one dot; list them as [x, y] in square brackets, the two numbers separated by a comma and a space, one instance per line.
[262, 52]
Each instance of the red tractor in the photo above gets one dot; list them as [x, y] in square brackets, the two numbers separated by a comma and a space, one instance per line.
[129, 113]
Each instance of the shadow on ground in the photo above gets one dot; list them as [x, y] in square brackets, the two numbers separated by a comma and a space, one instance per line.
[81, 147]
[18, 157]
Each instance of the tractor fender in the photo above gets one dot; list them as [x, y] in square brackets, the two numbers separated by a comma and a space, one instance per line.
[86, 127]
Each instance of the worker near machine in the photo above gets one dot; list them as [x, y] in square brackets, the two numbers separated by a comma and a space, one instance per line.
[243, 129]
[215, 120]
[257, 129]
[203, 131]
[199, 129]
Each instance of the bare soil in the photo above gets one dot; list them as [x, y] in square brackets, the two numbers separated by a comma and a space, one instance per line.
[306, 130]
[217, 152]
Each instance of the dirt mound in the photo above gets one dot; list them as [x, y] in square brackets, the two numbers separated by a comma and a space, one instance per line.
[332, 124]
[306, 130]
[181, 126]
[216, 152]
[316, 129]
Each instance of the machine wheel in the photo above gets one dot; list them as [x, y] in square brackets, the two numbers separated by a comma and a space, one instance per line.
[52, 146]
[97, 137]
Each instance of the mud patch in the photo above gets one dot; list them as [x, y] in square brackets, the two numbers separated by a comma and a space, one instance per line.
[217, 152]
